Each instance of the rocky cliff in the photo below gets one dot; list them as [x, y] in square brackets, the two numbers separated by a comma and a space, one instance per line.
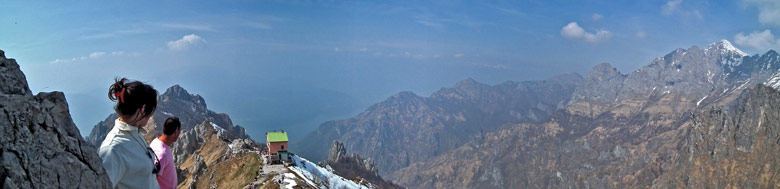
[730, 147]
[40, 145]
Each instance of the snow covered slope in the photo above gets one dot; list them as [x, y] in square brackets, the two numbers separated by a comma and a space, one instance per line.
[319, 177]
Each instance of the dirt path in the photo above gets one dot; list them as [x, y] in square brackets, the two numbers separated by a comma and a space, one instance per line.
[266, 172]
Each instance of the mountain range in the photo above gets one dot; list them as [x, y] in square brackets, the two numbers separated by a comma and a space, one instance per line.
[663, 125]
[694, 118]
[434, 125]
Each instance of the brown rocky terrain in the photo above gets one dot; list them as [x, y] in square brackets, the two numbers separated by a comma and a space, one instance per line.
[217, 164]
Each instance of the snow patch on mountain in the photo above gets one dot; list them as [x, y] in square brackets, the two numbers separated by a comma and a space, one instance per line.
[774, 81]
[288, 182]
[702, 99]
[219, 130]
[317, 176]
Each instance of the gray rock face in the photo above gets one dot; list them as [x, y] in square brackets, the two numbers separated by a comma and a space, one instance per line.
[242, 146]
[352, 166]
[731, 146]
[197, 170]
[200, 166]
[336, 152]
[13, 80]
[189, 141]
[40, 145]
[602, 83]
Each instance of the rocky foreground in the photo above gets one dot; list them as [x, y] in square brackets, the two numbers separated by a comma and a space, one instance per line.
[40, 146]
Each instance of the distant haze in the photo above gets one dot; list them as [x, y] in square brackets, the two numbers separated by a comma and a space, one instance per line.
[292, 65]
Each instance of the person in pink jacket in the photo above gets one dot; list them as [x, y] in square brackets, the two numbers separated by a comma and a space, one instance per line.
[162, 147]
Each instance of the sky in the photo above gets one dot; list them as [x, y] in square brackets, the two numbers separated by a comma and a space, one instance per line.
[292, 65]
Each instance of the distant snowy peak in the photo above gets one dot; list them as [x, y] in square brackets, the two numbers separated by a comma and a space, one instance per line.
[726, 54]
[724, 47]
[771, 62]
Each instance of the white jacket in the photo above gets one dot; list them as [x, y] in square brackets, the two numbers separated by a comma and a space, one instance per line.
[126, 158]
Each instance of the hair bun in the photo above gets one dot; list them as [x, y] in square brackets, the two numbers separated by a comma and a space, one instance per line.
[115, 89]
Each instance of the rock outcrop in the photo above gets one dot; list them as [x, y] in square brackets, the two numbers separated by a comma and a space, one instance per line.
[242, 146]
[189, 142]
[40, 145]
[338, 154]
[204, 150]
[352, 166]
[199, 167]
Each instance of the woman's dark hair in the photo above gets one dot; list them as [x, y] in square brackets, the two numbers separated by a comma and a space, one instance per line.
[172, 124]
[131, 96]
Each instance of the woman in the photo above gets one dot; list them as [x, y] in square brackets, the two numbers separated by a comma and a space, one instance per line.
[128, 160]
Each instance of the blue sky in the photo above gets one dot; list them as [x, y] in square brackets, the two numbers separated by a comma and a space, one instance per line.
[294, 64]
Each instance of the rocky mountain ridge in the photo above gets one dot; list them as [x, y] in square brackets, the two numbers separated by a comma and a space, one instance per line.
[201, 149]
[730, 146]
[437, 124]
[612, 131]
[635, 130]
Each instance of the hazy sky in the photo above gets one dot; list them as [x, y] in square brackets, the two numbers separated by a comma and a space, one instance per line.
[294, 64]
